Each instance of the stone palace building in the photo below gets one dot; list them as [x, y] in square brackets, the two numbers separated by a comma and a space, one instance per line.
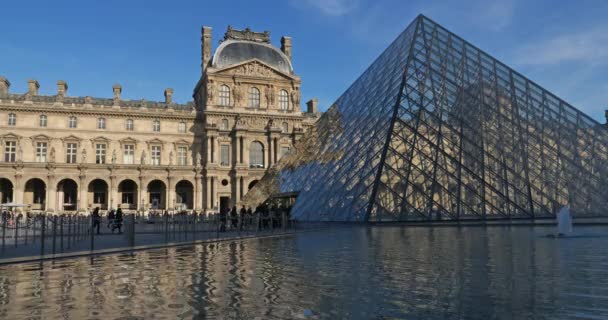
[71, 154]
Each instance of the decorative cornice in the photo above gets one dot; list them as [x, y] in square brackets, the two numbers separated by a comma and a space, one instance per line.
[246, 35]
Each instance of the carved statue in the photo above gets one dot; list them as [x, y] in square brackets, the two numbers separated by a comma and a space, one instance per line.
[171, 158]
[114, 156]
[295, 97]
[237, 94]
[269, 92]
[84, 156]
[143, 157]
[20, 153]
[198, 159]
[210, 92]
[52, 155]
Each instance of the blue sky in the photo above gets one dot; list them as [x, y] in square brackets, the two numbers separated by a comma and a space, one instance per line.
[149, 45]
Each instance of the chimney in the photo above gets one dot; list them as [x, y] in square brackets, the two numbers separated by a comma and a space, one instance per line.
[32, 87]
[117, 90]
[4, 85]
[286, 46]
[205, 47]
[168, 96]
[312, 105]
[62, 88]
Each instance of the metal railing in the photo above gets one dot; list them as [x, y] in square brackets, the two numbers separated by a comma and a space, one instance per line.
[43, 234]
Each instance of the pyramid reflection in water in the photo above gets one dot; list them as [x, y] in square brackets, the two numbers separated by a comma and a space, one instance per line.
[437, 129]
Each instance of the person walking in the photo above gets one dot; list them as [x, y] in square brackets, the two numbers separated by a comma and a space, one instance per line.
[234, 218]
[242, 214]
[111, 219]
[96, 219]
[117, 221]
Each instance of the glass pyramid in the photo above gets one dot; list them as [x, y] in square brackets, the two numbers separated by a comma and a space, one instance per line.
[436, 129]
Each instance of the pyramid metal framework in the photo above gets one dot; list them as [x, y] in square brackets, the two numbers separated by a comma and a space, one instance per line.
[436, 129]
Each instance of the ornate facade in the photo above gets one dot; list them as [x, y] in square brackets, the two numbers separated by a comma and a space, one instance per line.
[62, 153]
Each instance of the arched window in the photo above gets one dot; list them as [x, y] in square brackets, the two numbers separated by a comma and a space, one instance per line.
[101, 123]
[224, 125]
[72, 122]
[254, 97]
[224, 95]
[156, 126]
[12, 119]
[129, 125]
[256, 155]
[283, 100]
[285, 127]
[43, 120]
[181, 127]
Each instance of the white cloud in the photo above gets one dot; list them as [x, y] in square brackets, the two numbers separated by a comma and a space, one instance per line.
[496, 14]
[589, 46]
[334, 7]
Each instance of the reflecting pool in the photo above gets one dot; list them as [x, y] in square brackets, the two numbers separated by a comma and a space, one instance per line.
[341, 273]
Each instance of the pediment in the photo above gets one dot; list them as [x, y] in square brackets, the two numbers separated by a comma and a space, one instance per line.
[40, 137]
[181, 142]
[10, 136]
[254, 68]
[128, 140]
[155, 141]
[71, 138]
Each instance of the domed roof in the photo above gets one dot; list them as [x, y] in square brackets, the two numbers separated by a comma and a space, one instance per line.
[232, 52]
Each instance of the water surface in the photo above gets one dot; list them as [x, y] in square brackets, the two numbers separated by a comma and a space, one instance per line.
[345, 273]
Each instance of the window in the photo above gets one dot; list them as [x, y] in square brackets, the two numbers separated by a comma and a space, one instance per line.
[285, 127]
[224, 95]
[72, 123]
[182, 156]
[283, 100]
[155, 155]
[224, 125]
[129, 151]
[41, 152]
[256, 155]
[100, 153]
[10, 150]
[224, 155]
[70, 152]
[12, 119]
[181, 127]
[99, 196]
[254, 97]
[101, 123]
[43, 120]
[129, 125]
[284, 151]
[156, 126]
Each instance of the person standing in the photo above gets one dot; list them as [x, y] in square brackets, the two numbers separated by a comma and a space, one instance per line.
[96, 219]
[117, 221]
[234, 217]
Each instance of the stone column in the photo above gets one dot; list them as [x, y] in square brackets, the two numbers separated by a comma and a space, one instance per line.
[83, 194]
[114, 202]
[237, 191]
[198, 192]
[51, 195]
[208, 148]
[237, 157]
[18, 189]
[269, 162]
[170, 194]
[207, 193]
[141, 200]
[275, 150]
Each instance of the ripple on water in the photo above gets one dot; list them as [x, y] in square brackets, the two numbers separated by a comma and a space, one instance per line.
[358, 273]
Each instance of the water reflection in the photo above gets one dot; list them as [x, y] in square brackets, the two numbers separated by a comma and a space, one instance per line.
[355, 273]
